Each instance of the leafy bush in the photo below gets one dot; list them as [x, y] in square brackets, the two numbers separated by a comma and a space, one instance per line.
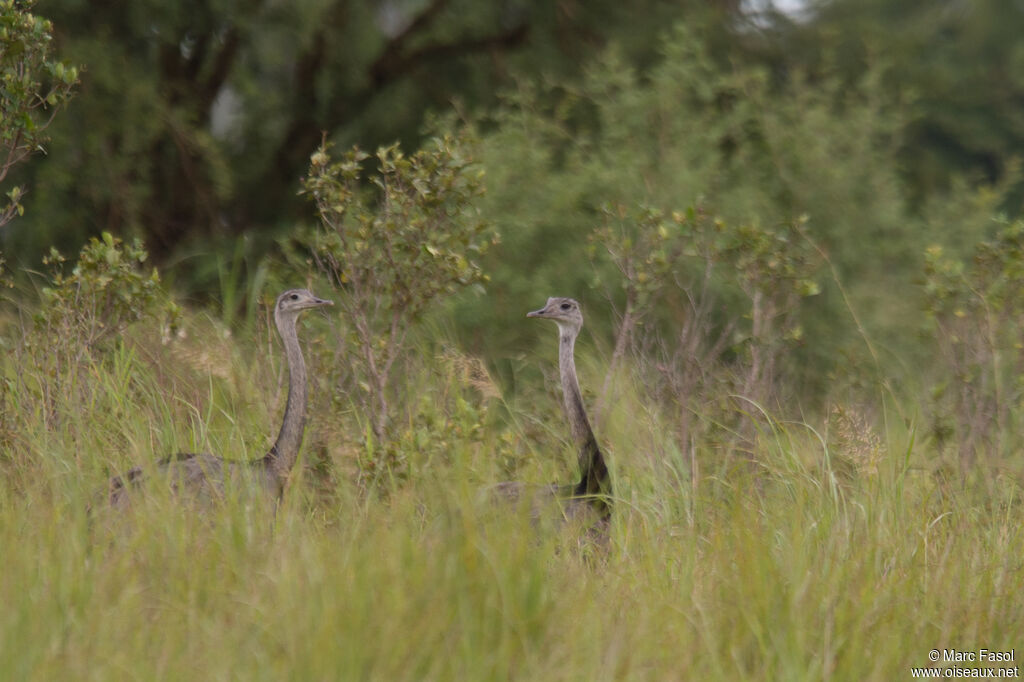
[79, 321]
[977, 313]
[395, 250]
[28, 104]
[645, 249]
[106, 290]
[721, 305]
[34, 88]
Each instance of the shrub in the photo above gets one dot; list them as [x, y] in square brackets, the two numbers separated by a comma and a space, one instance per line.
[394, 250]
[977, 313]
[34, 87]
[82, 315]
[106, 290]
[732, 295]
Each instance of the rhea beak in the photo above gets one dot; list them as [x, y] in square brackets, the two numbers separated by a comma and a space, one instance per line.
[537, 313]
[323, 301]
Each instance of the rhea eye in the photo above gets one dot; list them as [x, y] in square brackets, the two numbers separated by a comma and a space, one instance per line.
[566, 306]
[295, 297]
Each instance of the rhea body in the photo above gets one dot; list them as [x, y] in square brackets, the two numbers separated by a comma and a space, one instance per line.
[207, 474]
[591, 494]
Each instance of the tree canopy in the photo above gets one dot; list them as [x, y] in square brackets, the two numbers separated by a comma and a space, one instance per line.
[195, 122]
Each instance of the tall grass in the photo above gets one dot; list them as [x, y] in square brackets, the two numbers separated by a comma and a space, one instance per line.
[772, 563]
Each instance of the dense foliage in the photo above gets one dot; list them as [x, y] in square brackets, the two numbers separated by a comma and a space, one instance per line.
[34, 88]
[416, 239]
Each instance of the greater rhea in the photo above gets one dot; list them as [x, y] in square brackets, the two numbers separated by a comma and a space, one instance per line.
[591, 495]
[199, 473]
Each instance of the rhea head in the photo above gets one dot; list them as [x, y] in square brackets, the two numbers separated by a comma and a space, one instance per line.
[564, 311]
[294, 301]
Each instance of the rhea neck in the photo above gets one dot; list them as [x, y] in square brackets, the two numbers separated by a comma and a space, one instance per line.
[593, 469]
[285, 450]
[574, 410]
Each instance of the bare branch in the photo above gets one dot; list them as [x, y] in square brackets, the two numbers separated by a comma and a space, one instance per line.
[393, 65]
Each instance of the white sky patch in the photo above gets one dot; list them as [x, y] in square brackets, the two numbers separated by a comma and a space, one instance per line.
[794, 9]
[790, 6]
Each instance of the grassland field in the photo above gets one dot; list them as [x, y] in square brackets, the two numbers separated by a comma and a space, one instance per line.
[802, 557]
